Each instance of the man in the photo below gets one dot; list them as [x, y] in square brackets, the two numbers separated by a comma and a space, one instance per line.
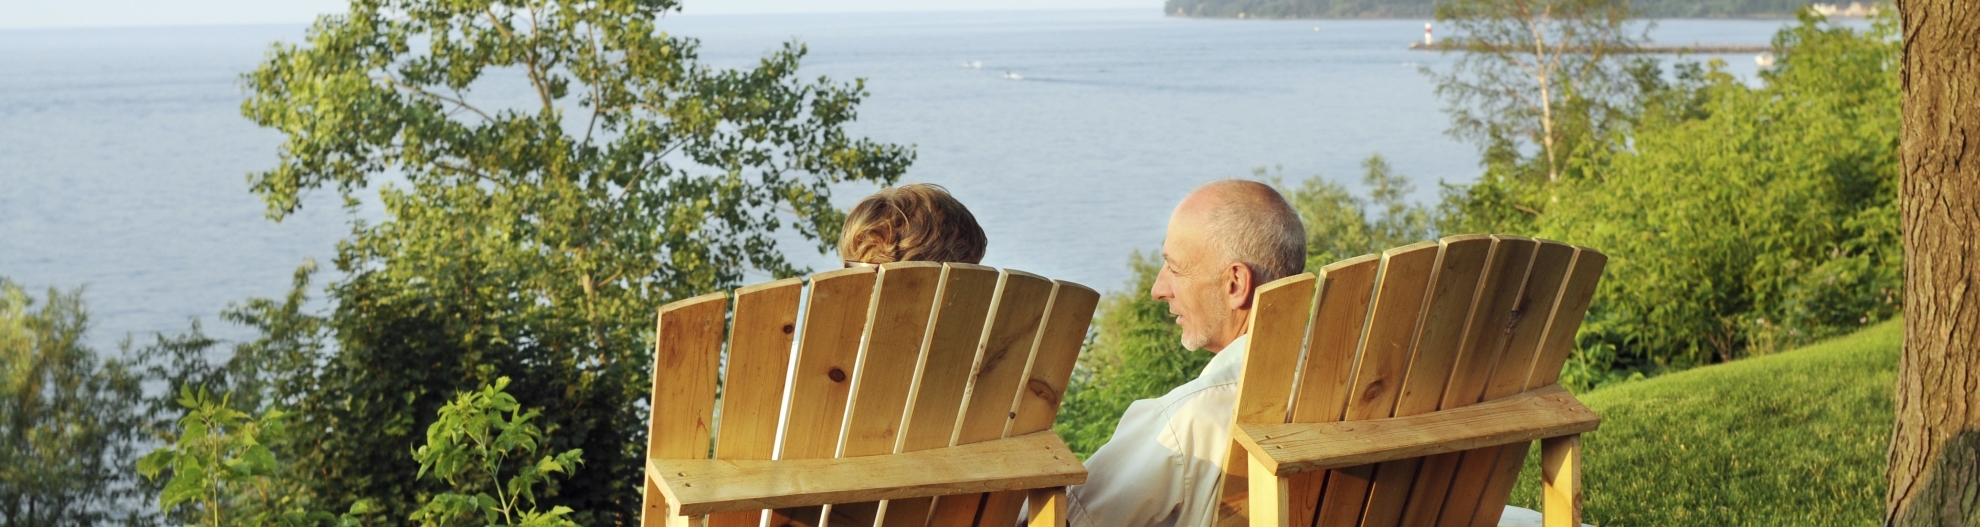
[1164, 463]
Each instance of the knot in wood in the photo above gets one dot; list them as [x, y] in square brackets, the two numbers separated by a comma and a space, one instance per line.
[837, 375]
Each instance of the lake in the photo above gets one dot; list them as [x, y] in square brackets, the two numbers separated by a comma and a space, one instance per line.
[123, 158]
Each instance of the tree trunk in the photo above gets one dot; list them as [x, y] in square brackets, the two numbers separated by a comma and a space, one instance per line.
[1934, 471]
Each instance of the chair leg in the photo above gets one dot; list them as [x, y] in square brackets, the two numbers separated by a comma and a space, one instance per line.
[1560, 481]
[1271, 504]
[1047, 507]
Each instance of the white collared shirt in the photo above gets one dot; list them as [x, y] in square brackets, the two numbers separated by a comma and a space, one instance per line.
[1163, 466]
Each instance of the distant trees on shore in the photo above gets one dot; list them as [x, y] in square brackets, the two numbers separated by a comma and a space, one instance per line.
[1427, 8]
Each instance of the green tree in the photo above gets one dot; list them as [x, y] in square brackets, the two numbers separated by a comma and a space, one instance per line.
[68, 421]
[1767, 221]
[1340, 225]
[531, 237]
[1536, 74]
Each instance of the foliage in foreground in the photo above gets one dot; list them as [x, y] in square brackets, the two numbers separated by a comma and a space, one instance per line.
[1794, 438]
[219, 471]
[69, 422]
[526, 237]
[472, 445]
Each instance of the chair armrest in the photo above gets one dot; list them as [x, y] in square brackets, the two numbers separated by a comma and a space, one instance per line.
[695, 487]
[1293, 448]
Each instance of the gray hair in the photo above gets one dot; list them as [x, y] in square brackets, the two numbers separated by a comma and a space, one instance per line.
[1255, 226]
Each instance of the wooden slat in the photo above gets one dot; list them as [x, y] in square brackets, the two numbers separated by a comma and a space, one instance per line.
[942, 373]
[1560, 481]
[1294, 448]
[828, 348]
[1518, 343]
[1552, 348]
[1339, 313]
[1384, 360]
[1048, 507]
[1067, 314]
[1280, 315]
[1270, 502]
[1460, 263]
[888, 354]
[997, 371]
[1498, 290]
[896, 327]
[1568, 314]
[765, 326]
[686, 357]
[1070, 312]
[704, 486]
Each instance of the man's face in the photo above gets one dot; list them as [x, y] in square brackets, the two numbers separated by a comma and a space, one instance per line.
[1192, 282]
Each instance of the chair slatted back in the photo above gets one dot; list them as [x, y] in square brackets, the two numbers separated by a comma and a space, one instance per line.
[905, 357]
[1417, 329]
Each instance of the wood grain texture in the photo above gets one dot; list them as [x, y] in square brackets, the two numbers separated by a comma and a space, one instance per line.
[708, 486]
[1384, 358]
[1498, 285]
[1068, 311]
[1047, 507]
[1293, 448]
[897, 325]
[1270, 502]
[1461, 262]
[1339, 315]
[942, 374]
[998, 373]
[1552, 262]
[828, 350]
[1281, 313]
[1557, 342]
[686, 356]
[1560, 481]
[764, 328]
[1496, 312]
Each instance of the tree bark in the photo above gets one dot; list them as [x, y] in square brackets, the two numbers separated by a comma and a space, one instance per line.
[1934, 470]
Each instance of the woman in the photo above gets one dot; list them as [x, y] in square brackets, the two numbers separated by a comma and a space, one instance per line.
[914, 222]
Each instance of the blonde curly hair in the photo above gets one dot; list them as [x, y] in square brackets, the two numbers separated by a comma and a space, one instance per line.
[913, 222]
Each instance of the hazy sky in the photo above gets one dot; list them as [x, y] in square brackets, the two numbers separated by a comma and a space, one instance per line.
[21, 14]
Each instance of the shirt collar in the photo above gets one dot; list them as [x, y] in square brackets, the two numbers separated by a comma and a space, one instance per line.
[1231, 359]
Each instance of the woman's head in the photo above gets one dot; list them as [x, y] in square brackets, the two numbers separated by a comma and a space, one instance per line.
[915, 222]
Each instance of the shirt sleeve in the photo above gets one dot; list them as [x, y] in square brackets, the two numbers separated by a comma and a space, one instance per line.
[1135, 479]
[1200, 429]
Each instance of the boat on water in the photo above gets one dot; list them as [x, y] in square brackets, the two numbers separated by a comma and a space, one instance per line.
[1013, 76]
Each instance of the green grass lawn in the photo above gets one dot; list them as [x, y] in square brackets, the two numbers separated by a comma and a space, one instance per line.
[1795, 438]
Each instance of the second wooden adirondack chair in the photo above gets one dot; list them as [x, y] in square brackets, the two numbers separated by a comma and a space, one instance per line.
[1405, 389]
[930, 386]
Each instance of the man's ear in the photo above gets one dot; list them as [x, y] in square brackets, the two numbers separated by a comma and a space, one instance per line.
[1237, 289]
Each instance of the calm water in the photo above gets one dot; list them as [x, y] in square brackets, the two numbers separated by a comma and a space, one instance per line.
[123, 158]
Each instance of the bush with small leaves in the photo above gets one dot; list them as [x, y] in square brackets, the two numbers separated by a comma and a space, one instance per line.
[472, 446]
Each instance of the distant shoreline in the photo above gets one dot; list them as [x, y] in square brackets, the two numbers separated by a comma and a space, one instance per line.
[1389, 17]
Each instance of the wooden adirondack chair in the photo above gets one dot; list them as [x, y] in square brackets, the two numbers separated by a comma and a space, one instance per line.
[931, 386]
[1405, 389]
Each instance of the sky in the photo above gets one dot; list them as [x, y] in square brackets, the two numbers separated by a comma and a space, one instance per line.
[44, 14]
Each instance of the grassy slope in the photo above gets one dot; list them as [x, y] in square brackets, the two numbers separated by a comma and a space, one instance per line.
[1796, 438]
